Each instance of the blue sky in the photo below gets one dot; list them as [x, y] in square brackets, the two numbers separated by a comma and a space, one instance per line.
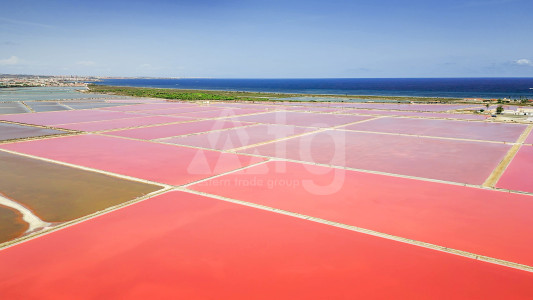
[268, 39]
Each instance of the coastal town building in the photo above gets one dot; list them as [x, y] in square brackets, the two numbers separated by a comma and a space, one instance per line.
[36, 81]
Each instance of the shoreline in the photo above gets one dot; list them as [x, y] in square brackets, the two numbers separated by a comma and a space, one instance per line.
[33, 221]
[438, 89]
[261, 96]
[247, 96]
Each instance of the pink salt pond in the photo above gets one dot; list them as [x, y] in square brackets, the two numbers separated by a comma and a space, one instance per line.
[170, 130]
[167, 164]
[238, 137]
[450, 160]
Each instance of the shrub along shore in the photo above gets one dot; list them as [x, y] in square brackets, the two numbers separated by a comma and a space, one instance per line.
[185, 94]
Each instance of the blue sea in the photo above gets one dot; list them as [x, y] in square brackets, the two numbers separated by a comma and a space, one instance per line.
[416, 87]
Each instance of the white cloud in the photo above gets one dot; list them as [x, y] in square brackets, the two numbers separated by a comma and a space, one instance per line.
[13, 60]
[86, 63]
[524, 62]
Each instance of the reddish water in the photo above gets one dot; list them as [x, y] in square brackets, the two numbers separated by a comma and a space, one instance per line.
[227, 112]
[485, 222]
[519, 174]
[245, 105]
[63, 117]
[414, 114]
[163, 131]
[444, 128]
[459, 161]
[413, 107]
[150, 106]
[529, 139]
[123, 123]
[238, 137]
[183, 246]
[170, 111]
[303, 119]
[157, 162]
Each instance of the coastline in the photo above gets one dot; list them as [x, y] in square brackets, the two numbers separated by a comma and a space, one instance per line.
[256, 96]
[245, 96]
[391, 88]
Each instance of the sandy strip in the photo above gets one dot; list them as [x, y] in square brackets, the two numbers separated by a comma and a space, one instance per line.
[33, 221]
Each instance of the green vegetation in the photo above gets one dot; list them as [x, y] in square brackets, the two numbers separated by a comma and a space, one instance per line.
[184, 94]
[499, 109]
[160, 93]
[181, 94]
[524, 100]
